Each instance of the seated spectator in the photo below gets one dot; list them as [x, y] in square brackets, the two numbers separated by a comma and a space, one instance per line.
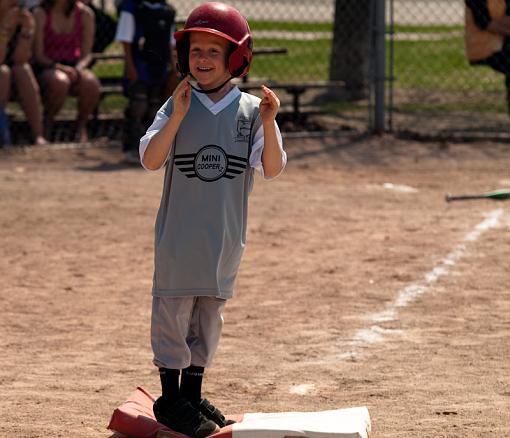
[145, 29]
[16, 37]
[63, 44]
[487, 36]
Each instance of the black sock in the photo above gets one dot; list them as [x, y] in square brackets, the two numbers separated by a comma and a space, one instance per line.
[191, 383]
[169, 383]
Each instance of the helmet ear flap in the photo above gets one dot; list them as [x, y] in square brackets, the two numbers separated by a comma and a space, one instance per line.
[239, 61]
[182, 48]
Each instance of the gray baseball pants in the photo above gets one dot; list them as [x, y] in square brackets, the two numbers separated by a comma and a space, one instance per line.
[185, 330]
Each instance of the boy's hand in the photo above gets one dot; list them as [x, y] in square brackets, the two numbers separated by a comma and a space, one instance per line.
[182, 98]
[269, 105]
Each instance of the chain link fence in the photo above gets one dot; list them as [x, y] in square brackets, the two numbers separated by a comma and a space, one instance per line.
[433, 88]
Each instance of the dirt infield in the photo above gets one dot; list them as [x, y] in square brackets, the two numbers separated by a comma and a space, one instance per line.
[360, 286]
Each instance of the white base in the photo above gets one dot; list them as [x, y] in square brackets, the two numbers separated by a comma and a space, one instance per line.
[338, 423]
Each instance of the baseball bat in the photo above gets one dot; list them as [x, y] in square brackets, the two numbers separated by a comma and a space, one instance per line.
[495, 194]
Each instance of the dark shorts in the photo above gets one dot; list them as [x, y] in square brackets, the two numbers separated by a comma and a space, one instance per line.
[39, 69]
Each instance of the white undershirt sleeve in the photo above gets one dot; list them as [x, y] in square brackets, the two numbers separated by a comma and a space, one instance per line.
[258, 147]
[125, 28]
[158, 123]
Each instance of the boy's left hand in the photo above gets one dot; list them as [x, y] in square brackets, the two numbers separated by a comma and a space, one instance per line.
[269, 105]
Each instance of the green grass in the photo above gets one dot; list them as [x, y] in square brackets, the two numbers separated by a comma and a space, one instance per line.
[305, 60]
[106, 69]
[421, 65]
[441, 66]
[113, 103]
[402, 28]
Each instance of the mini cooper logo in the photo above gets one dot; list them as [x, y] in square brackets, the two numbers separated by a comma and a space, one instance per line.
[210, 164]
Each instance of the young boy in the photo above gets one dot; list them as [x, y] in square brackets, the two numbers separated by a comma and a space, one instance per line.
[211, 137]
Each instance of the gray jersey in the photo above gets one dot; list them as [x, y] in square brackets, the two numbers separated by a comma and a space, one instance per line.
[201, 222]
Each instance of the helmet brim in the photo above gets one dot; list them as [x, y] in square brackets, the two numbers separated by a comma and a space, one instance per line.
[179, 35]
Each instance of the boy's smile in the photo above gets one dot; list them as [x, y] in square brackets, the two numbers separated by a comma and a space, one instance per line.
[207, 59]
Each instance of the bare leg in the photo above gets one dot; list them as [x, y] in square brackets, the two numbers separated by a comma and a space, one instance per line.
[507, 84]
[55, 85]
[29, 99]
[88, 91]
[5, 85]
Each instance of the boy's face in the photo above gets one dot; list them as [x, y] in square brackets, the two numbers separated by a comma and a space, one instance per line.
[208, 59]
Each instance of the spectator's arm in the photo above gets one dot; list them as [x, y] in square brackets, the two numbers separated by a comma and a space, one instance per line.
[500, 26]
[480, 12]
[4, 40]
[87, 39]
[125, 34]
[23, 51]
[40, 21]
[8, 25]
[484, 21]
[131, 72]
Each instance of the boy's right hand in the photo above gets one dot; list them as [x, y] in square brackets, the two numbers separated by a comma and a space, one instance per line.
[182, 98]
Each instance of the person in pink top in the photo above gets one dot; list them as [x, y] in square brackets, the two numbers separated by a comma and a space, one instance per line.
[63, 53]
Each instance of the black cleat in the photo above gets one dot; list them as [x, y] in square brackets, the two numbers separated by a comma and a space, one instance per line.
[213, 413]
[181, 416]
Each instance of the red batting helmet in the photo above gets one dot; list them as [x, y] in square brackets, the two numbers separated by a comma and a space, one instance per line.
[222, 20]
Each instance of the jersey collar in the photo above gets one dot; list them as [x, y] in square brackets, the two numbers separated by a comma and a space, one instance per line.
[217, 107]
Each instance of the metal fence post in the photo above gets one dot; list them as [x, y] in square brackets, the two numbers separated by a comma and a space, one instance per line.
[379, 55]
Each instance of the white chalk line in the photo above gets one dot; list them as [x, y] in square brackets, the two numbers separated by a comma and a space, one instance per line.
[375, 333]
[302, 389]
[400, 188]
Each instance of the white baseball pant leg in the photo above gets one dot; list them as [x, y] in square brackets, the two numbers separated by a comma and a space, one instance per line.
[185, 330]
